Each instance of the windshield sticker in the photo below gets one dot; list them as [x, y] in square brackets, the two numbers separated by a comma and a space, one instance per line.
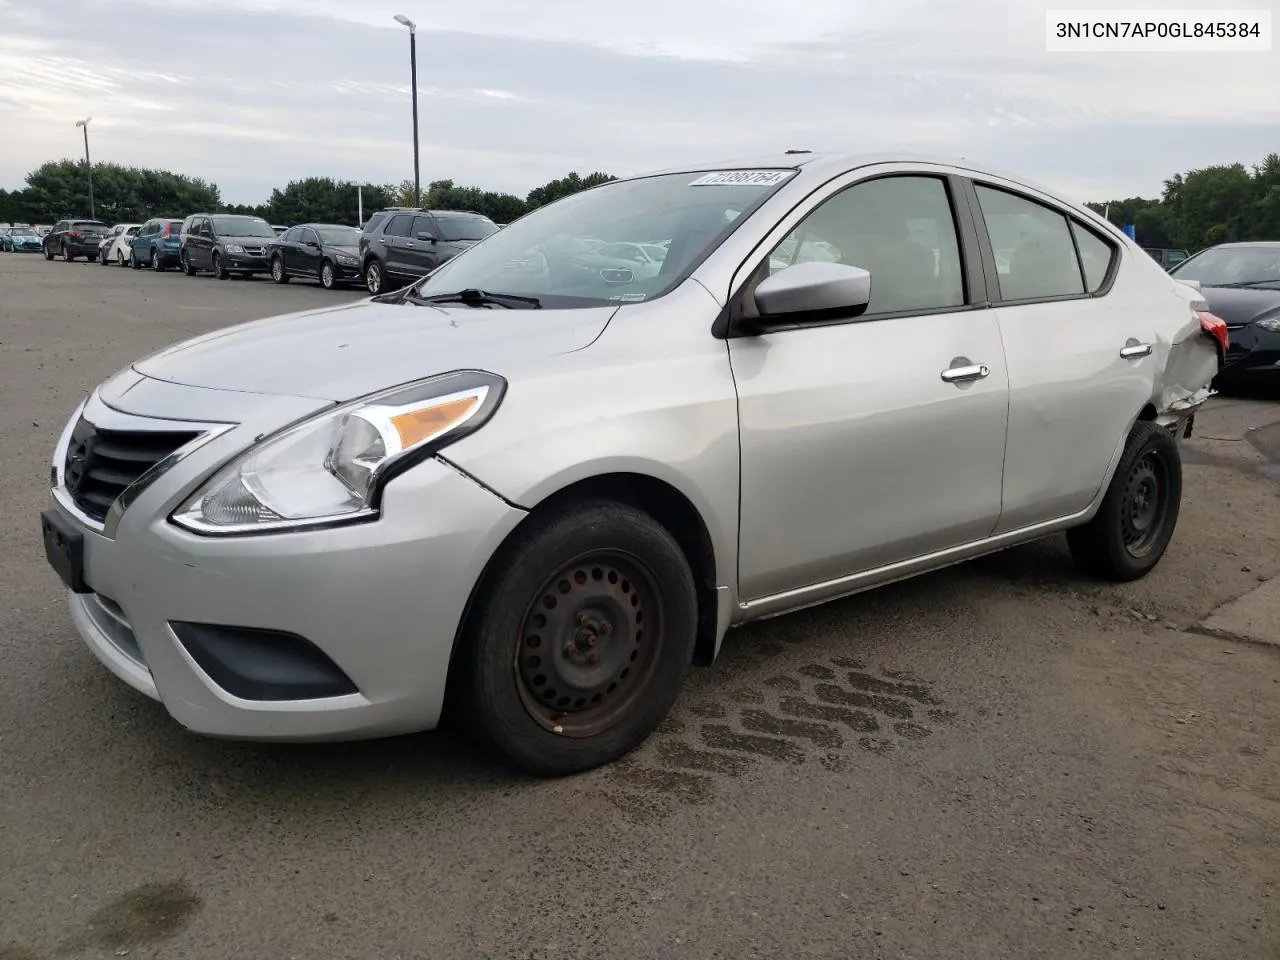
[742, 178]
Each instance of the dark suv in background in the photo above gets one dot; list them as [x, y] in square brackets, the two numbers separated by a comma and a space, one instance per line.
[224, 244]
[401, 244]
[74, 238]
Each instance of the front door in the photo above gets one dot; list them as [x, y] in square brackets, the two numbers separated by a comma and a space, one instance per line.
[878, 440]
[1079, 354]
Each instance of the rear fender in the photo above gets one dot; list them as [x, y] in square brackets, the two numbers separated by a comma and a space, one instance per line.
[1195, 358]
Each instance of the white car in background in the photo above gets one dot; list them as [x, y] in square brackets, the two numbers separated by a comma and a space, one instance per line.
[115, 247]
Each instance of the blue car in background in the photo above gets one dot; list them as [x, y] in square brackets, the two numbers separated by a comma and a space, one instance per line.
[19, 240]
[155, 245]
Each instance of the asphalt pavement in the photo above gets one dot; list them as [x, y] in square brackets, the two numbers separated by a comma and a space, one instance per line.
[1001, 760]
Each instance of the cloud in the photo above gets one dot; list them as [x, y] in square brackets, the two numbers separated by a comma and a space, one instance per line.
[513, 94]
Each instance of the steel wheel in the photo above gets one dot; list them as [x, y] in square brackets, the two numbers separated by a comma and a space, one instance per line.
[590, 636]
[1145, 503]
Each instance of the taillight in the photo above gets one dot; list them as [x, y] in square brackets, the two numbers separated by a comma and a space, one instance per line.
[1215, 327]
[73, 234]
[168, 230]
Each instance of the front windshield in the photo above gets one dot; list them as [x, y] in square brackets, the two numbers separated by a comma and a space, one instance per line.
[465, 228]
[1227, 266]
[340, 236]
[571, 252]
[242, 227]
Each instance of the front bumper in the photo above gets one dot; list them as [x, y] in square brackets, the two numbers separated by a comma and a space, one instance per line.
[1253, 356]
[381, 601]
[348, 272]
[247, 262]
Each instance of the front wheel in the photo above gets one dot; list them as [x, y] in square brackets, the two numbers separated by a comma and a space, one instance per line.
[581, 637]
[374, 277]
[1133, 526]
[328, 279]
[219, 269]
[278, 273]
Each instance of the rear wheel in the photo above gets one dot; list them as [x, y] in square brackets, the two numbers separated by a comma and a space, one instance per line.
[66, 254]
[187, 266]
[1133, 527]
[580, 639]
[122, 260]
[278, 273]
[102, 256]
[48, 254]
[157, 262]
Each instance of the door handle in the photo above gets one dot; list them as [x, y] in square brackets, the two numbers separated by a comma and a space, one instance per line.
[963, 374]
[1133, 350]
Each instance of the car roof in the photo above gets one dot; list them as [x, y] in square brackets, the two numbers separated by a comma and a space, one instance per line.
[1269, 244]
[827, 164]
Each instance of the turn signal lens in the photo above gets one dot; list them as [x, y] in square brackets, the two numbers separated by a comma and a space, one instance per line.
[415, 426]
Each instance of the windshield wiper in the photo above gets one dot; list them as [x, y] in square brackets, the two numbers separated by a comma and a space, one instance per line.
[1248, 283]
[472, 297]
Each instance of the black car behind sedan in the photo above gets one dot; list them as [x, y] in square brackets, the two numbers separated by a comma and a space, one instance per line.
[71, 239]
[1241, 284]
[327, 252]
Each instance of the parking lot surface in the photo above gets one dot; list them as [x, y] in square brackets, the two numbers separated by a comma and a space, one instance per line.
[1000, 760]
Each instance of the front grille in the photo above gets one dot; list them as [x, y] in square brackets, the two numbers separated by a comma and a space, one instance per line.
[255, 251]
[100, 464]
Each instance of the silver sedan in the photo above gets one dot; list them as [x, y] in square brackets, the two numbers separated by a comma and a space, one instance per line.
[533, 488]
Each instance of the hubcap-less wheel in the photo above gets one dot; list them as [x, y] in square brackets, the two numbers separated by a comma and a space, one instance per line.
[373, 278]
[155, 262]
[1145, 504]
[217, 268]
[587, 639]
[277, 271]
[326, 276]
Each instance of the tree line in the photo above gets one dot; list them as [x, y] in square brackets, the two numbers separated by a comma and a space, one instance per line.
[1200, 208]
[1197, 209]
[59, 189]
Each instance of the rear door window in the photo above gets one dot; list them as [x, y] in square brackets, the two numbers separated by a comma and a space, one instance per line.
[399, 226]
[1035, 254]
[1096, 255]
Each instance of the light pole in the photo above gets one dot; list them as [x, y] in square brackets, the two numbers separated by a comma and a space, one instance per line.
[88, 167]
[413, 74]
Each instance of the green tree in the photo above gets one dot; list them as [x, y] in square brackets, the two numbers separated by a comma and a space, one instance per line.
[565, 186]
[323, 200]
[498, 207]
[59, 189]
[1214, 204]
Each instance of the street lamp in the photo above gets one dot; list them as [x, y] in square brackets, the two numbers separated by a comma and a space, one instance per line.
[413, 72]
[84, 125]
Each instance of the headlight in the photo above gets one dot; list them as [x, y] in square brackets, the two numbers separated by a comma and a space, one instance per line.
[233, 248]
[346, 261]
[1270, 324]
[332, 467]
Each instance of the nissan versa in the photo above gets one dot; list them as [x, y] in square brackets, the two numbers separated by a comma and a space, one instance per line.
[530, 492]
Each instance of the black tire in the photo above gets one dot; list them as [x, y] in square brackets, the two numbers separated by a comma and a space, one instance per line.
[134, 264]
[599, 574]
[48, 254]
[1133, 526]
[375, 278]
[102, 256]
[328, 275]
[121, 261]
[187, 267]
[66, 254]
[278, 272]
[219, 268]
[157, 262]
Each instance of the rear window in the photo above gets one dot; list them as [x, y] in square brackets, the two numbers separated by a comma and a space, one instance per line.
[374, 222]
[88, 225]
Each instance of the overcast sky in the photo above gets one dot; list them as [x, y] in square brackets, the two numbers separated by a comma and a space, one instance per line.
[253, 93]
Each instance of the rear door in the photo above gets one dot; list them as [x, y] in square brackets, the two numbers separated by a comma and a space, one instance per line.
[1079, 351]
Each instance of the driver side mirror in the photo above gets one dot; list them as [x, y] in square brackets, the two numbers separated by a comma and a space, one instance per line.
[812, 291]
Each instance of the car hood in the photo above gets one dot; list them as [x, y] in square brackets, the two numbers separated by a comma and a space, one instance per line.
[1241, 305]
[350, 251]
[344, 352]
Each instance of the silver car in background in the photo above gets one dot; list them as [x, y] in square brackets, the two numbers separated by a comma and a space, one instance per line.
[532, 490]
